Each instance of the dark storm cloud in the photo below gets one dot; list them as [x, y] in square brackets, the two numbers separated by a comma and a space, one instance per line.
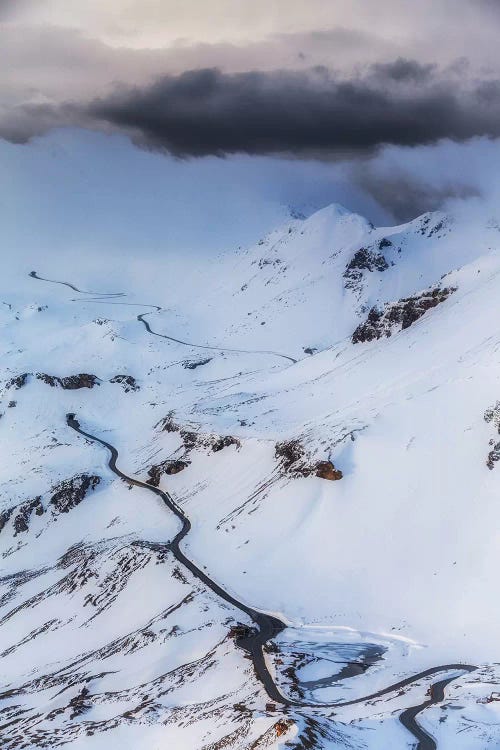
[403, 71]
[299, 113]
[405, 196]
[205, 112]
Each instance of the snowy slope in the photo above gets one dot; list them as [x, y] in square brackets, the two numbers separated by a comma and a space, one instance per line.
[397, 560]
[296, 288]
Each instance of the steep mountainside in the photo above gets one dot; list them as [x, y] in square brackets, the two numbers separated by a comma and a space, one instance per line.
[323, 410]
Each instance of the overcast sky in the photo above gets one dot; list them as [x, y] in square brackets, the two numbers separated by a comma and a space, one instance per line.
[391, 106]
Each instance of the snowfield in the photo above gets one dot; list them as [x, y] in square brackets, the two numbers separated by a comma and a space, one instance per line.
[106, 640]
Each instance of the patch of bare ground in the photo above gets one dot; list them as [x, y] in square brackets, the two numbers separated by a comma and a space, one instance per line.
[295, 463]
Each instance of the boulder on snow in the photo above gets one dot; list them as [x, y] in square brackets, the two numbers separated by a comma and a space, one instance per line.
[326, 470]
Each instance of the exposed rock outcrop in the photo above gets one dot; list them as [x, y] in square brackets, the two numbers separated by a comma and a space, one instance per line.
[433, 224]
[82, 380]
[282, 727]
[5, 516]
[168, 467]
[17, 381]
[224, 442]
[191, 440]
[70, 492]
[168, 424]
[63, 497]
[397, 316]
[174, 467]
[294, 462]
[192, 364]
[492, 416]
[291, 455]
[127, 382]
[493, 455]
[80, 704]
[71, 382]
[240, 631]
[365, 259]
[23, 513]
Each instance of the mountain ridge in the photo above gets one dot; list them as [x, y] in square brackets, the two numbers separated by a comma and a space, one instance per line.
[106, 637]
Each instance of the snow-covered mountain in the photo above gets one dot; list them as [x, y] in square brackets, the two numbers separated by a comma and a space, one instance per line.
[324, 408]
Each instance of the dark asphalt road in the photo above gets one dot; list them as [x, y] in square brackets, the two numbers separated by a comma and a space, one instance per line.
[34, 275]
[269, 626]
[211, 348]
[409, 715]
[102, 298]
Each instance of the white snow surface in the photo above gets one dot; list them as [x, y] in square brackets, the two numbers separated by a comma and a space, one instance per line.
[402, 553]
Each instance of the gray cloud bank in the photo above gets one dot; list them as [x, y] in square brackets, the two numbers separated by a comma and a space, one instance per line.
[304, 113]
[366, 90]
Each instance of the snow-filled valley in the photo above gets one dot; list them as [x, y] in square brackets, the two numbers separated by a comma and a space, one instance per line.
[324, 408]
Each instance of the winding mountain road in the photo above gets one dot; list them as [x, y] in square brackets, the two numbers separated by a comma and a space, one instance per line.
[103, 298]
[212, 348]
[34, 275]
[269, 626]
[409, 715]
